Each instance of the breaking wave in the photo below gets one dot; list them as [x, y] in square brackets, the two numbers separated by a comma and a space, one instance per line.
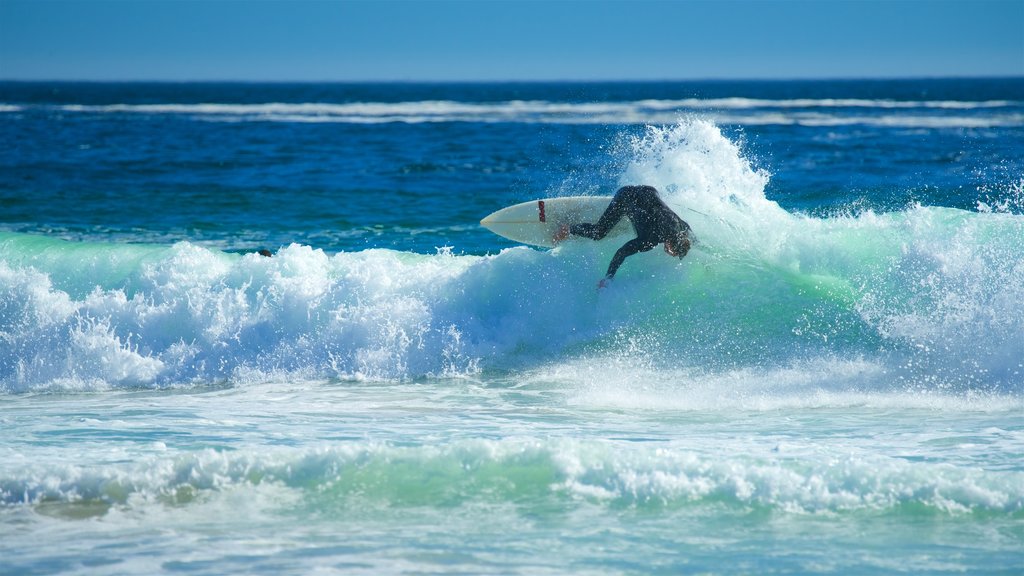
[925, 298]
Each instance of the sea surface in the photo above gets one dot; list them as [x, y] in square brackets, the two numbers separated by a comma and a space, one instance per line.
[831, 382]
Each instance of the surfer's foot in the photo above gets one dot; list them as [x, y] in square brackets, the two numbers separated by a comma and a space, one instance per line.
[561, 234]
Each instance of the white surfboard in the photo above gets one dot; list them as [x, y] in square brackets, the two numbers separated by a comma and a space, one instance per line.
[537, 221]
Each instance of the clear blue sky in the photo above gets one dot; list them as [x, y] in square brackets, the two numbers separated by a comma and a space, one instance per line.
[513, 40]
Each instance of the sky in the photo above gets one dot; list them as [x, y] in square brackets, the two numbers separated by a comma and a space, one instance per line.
[278, 40]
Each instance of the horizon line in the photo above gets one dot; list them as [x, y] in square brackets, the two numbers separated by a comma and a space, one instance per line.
[514, 81]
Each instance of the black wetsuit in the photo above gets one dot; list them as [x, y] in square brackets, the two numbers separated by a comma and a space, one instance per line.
[652, 219]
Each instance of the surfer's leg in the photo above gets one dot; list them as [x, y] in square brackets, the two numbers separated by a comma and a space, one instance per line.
[615, 211]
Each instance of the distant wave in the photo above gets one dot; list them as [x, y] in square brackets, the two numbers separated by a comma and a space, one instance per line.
[743, 111]
[726, 103]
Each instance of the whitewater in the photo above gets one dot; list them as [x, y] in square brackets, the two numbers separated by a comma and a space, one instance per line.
[836, 390]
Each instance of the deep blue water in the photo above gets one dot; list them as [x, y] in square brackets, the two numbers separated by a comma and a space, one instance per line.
[370, 178]
[831, 381]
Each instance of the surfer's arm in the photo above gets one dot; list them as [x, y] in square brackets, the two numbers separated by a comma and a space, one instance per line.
[634, 246]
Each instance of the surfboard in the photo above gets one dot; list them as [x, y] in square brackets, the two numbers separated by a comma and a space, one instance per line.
[536, 222]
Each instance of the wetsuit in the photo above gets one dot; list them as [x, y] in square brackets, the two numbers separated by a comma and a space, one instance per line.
[652, 219]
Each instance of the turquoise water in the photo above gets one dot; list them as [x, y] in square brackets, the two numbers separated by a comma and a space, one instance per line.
[550, 472]
[831, 381]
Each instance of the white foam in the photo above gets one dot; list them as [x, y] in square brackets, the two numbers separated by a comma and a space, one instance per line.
[632, 382]
[600, 472]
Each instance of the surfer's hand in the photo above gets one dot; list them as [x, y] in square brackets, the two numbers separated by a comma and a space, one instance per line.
[561, 234]
[604, 282]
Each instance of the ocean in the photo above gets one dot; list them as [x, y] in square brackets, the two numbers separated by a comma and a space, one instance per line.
[832, 381]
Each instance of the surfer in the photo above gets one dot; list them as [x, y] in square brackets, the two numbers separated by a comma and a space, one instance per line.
[655, 223]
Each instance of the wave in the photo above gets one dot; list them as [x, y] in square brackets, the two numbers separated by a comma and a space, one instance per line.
[927, 297]
[538, 473]
[743, 111]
